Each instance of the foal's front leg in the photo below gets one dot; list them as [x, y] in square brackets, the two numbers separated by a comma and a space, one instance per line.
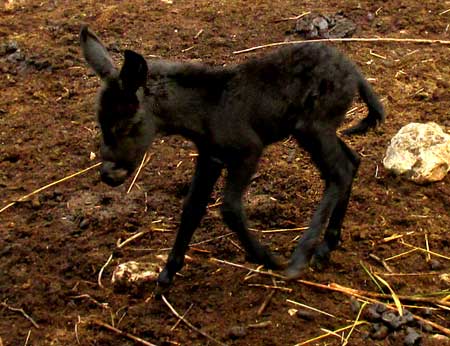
[207, 172]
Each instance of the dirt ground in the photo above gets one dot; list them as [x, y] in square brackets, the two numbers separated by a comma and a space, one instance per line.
[53, 246]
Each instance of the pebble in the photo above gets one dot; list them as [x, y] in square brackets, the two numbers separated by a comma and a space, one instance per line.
[435, 265]
[84, 223]
[237, 332]
[371, 314]
[306, 315]
[412, 337]
[391, 319]
[380, 331]
[355, 305]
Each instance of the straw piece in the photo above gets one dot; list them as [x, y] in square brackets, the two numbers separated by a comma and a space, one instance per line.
[24, 198]
[353, 39]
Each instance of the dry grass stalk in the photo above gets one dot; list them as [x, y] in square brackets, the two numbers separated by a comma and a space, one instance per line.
[292, 18]
[28, 317]
[372, 277]
[310, 308]
[189, 324]
[329, 333]
[284, 289]
[184, 315]
[100, 273]
[130, 239]
[145, 160]
[24, 198]
[354, 324]
[353, 39]
[400, 255]
[279, 230]
[424, 250]
[428, 248]
[397, 302]
[122, 333]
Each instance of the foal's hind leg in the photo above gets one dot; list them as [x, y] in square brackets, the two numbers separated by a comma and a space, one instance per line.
[337, 169]
[333, 232]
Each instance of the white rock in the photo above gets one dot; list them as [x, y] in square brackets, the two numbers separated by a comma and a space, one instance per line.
[134, 273]
[420, 152]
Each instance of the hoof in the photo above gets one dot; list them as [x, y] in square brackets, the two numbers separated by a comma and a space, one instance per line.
[268, 260]
[296, 268]
[321, 257]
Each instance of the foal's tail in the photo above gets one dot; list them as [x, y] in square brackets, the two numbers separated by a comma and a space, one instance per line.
[376, 112]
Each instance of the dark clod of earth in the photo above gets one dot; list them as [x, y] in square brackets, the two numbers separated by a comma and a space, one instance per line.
[317, 26]
[386, 322]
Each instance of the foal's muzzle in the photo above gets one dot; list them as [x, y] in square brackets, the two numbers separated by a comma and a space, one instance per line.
[112, 174]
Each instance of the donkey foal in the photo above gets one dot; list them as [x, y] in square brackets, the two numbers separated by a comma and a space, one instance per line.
[231, 114]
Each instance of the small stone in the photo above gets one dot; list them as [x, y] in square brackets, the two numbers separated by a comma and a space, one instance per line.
[425, 327]
[371, 314]
[380, 308]
[370, 16]
[390, 319]
[237, 332]
[409, 317]
[306, 315]
[412, 337]
[355, 305]
[84, 223]
[380, 331]
[435, 265]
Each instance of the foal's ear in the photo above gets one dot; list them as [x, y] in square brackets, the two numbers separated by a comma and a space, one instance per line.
[96, 54]
[134, 71]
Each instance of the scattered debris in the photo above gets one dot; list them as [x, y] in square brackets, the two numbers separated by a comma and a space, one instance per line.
[420, 152]
[314, 26]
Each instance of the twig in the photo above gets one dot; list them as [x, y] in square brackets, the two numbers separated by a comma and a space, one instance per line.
[265, 303]
[353, 325]
[353, 39]
[122, 333]
[100, 273]
[310, 308]
[96, 302]
[28, 317]
[24, 198]
[427, 251]
[285, 289]
[292, 18]
[189, 324]
[28, 338]
[184, 315]
[130, 239]
[382, 262]
[76, 330]
[336, 287]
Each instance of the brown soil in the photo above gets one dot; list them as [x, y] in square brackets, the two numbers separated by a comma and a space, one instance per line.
[53, 246]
